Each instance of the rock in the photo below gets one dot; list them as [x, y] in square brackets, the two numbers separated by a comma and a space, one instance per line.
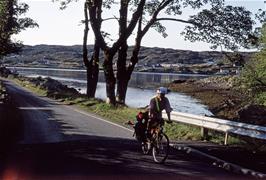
[54, 88]
[224, 82]
[4, 72]
[52, 85]
[178, 81]
[253, 114]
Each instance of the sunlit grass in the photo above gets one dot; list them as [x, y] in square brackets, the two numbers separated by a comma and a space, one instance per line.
[1, 87]
[31, 87]
[119, 114]
[180, 131]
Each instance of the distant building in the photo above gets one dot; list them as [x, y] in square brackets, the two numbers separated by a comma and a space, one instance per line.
[224, 71]
[170, 65]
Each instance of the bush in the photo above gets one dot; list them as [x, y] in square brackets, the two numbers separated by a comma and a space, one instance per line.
[253, 76]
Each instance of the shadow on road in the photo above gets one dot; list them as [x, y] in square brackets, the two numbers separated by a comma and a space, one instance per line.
[100, 158]
[96, 156]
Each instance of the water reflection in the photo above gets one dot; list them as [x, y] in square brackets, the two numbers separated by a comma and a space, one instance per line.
[136, 97]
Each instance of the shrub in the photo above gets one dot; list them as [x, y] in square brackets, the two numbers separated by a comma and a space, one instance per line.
[253, 76]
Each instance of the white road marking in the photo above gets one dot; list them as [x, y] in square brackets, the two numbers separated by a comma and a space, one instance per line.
[89, 115]
[74, 109]
[34, 108]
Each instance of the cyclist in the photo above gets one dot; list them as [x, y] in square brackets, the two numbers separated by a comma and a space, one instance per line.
[157, 104]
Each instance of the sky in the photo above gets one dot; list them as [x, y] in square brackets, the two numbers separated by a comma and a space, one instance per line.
[63, 27]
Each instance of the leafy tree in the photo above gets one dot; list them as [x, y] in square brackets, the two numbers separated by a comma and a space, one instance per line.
[220, 25]
[215, 23]
[11, 24]
[235, 58]
[253, 77]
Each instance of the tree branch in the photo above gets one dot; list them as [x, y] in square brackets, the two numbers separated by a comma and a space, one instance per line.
[154, 16]
[115, 18]
[86, 30]
[95, 20]
[135, 17]
[177, 20]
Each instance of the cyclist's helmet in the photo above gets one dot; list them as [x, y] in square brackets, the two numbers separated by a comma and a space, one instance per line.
[162, 90]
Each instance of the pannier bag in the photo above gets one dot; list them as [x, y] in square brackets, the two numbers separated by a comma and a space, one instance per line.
[141, 125]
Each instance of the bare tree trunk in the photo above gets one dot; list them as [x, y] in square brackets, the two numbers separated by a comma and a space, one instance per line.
[121, 75]
[92, 66]
[122, 56]
[122, 82]
[94, 71]
[109, 77]
[88, 69]
[85, 50]
[125, 72]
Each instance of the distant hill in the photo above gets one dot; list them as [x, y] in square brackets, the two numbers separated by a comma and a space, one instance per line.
[150, 59]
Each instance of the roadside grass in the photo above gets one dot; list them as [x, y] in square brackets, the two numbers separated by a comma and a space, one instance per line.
[31, 87]
[1, 87]
[122, 114]
[180, 131]
[260, 98]
[119, 114]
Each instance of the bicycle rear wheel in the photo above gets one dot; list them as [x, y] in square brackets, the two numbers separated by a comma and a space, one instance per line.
[160, 148]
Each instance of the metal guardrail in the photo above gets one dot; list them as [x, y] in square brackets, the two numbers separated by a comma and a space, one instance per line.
[226, 126]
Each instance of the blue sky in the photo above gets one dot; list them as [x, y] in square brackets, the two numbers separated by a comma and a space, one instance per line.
[64, 27]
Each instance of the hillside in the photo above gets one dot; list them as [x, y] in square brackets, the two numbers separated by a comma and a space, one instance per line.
[150, 59]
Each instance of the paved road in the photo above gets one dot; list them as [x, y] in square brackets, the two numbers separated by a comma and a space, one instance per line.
[61, 142]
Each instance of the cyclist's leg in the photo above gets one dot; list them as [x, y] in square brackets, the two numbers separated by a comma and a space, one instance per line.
[152, 125]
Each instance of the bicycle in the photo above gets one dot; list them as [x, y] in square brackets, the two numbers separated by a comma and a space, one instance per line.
[156, 142]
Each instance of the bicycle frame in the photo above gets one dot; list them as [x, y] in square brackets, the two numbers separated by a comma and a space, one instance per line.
[158, 142]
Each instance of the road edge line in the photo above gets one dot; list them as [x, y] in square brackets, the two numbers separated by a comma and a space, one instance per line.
[96, 117]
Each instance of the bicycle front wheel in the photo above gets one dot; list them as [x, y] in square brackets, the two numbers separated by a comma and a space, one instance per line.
[160, 148]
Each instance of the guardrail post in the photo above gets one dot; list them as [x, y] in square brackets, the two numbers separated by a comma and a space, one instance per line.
[204, 133]
[226, 138]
